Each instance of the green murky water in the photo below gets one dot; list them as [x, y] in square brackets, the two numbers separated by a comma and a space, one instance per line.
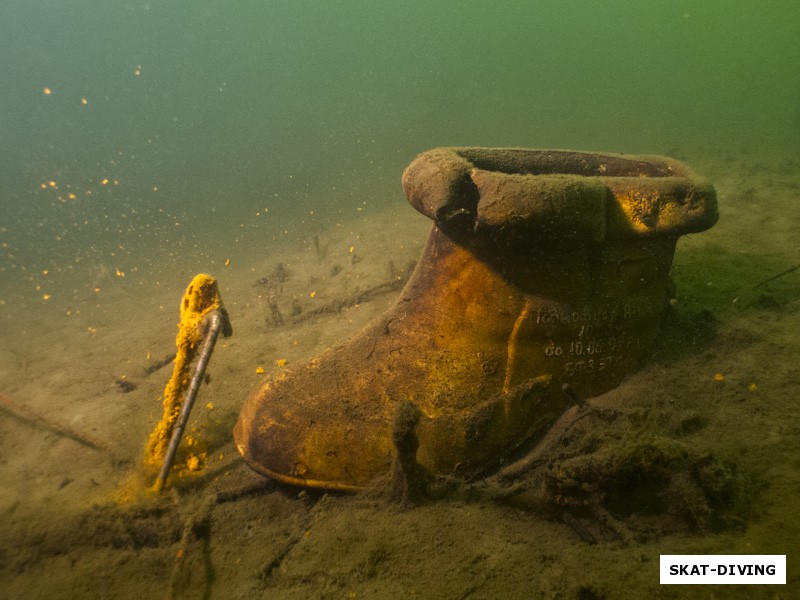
[205, 113]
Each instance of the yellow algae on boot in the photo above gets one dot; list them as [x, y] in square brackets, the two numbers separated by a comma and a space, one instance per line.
[200, 298]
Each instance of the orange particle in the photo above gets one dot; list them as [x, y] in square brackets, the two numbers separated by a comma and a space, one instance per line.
[47, 91]
[313, 294]
[43, 186]
[84, 101]
[719, 377]
[179, 553]
[752, 387]
[281, 362]
[51, 183]
[45, 296]
[119, 273]
[104, 182]
[260, 370]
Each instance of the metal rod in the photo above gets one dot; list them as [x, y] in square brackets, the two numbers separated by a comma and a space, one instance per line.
[217, 322]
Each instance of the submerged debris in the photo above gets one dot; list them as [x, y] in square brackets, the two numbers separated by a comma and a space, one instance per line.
[624, 489]
[275, 317]
[28, 415]
[125, 385]
[409, 479]
[159, 364]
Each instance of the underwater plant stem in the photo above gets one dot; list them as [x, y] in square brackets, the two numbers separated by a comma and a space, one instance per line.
[186, 408]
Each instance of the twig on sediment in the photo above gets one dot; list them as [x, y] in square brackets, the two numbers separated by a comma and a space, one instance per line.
[31, 417]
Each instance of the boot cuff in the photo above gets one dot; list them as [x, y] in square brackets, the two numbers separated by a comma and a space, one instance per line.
[552, 193]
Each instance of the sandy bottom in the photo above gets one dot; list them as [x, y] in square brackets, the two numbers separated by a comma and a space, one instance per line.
[699, 452]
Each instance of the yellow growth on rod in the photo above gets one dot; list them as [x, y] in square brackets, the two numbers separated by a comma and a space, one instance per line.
[200, 298]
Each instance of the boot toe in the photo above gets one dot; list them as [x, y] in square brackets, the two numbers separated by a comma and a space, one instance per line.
[289, 434]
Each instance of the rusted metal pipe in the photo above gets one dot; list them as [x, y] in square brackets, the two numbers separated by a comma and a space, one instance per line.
[217, 320]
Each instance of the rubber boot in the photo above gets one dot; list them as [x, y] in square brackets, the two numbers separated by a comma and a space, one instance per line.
[543, 282]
